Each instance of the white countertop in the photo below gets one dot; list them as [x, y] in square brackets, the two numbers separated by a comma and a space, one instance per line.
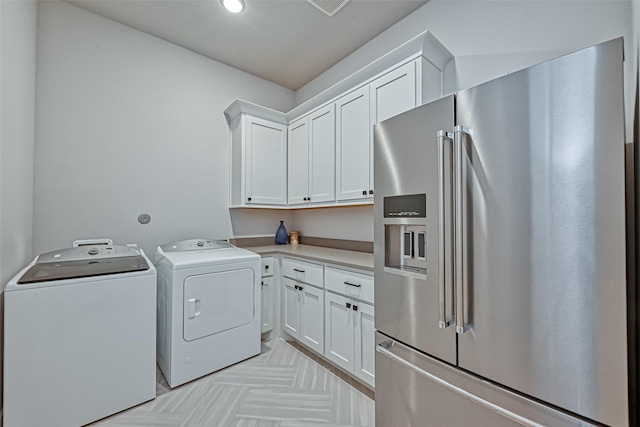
[361, 260]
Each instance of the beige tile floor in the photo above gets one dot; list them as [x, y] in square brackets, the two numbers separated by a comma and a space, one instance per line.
[281, 387]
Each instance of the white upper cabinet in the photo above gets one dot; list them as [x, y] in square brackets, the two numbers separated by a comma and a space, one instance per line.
[312, 157]
[330, 136]
[322, 155]
[266, 162]
[354, 150]
[258, 162]
[298, 184]
[394, 93]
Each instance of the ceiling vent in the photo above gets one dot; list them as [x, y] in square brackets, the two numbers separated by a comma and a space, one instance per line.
[330, 7]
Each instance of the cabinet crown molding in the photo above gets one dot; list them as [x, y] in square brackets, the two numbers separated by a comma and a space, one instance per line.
[424, 44]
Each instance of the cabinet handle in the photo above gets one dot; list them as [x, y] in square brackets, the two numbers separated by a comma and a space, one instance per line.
[248, 199]
[352, 284]
[348, 305]
[370, 191]
[309, 198]
[364, 192]
[297, 287]
[300, 287]
[304, 199]
[299, 271]
[355, 308]
[262, 283]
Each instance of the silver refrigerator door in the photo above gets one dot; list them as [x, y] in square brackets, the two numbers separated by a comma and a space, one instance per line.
[414, 390]
[543, 233]
[406, 163]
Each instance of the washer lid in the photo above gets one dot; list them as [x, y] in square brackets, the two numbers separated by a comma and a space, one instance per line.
[86, 261]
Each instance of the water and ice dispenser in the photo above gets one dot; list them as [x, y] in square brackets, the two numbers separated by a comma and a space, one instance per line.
[405, 234]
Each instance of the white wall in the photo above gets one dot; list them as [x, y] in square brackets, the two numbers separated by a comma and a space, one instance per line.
[489, 38]
[353, 223]
[17, 88]
[126, 124]
[17, 99]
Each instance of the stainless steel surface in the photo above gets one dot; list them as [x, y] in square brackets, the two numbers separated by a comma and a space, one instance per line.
[405, 149]
[460, 231]
[413, 389]
[545, 213]
[445, 241]
[383, 348]
[538, 201]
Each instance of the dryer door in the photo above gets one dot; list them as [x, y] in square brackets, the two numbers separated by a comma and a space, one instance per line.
[217, 302]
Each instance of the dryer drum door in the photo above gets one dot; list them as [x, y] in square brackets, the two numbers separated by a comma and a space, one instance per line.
[217, 302]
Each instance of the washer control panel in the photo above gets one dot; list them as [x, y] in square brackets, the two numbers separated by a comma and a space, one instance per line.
[88, 252]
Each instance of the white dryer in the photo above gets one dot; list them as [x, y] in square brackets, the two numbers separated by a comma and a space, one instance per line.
[208, 307]
[79, 336]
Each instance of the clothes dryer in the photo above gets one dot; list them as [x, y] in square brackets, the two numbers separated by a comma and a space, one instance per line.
[79, 336]
[208, 307]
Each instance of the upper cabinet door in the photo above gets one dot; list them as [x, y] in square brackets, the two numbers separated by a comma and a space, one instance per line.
[322, 155]
[266, 162]
[353, 146]
[394, 93]
[299, 161]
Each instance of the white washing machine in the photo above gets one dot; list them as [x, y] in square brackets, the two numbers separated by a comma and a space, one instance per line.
[208, 307]
[79, 336]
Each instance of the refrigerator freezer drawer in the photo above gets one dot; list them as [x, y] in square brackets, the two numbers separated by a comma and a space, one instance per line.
[415, 389]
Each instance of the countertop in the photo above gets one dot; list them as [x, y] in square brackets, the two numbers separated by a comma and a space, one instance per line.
[355, 259]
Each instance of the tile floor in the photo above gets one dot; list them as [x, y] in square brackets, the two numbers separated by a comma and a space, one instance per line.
[282, 387]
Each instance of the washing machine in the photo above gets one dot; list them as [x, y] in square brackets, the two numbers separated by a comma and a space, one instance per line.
[79, 336]
[208, 307]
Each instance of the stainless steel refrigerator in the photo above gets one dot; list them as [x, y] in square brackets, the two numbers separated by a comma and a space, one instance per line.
[500, 252]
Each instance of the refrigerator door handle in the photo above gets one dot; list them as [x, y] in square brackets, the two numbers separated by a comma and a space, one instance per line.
[384, 349]
[459, 184]
[444, 320]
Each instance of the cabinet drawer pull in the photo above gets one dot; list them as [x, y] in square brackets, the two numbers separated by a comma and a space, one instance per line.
[262, 283]
[352, 284]
[348, 305]
[364, 192]
[298, 270]
[355, 308]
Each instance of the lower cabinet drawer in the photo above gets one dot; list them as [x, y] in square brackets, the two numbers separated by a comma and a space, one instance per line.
[353, 285]
[303, 271]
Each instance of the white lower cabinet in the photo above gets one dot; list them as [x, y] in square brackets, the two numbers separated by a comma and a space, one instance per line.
[303, 307]
[291, 308]
[334, 316]
[267, 295]
[311, 311]
[364, 342]
[266, 304]
[349, 335]
[339, 332]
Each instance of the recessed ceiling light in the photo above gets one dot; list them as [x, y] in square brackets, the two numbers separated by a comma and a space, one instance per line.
[233, 6]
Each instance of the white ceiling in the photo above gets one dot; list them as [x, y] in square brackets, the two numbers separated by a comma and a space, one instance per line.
[288, 42]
